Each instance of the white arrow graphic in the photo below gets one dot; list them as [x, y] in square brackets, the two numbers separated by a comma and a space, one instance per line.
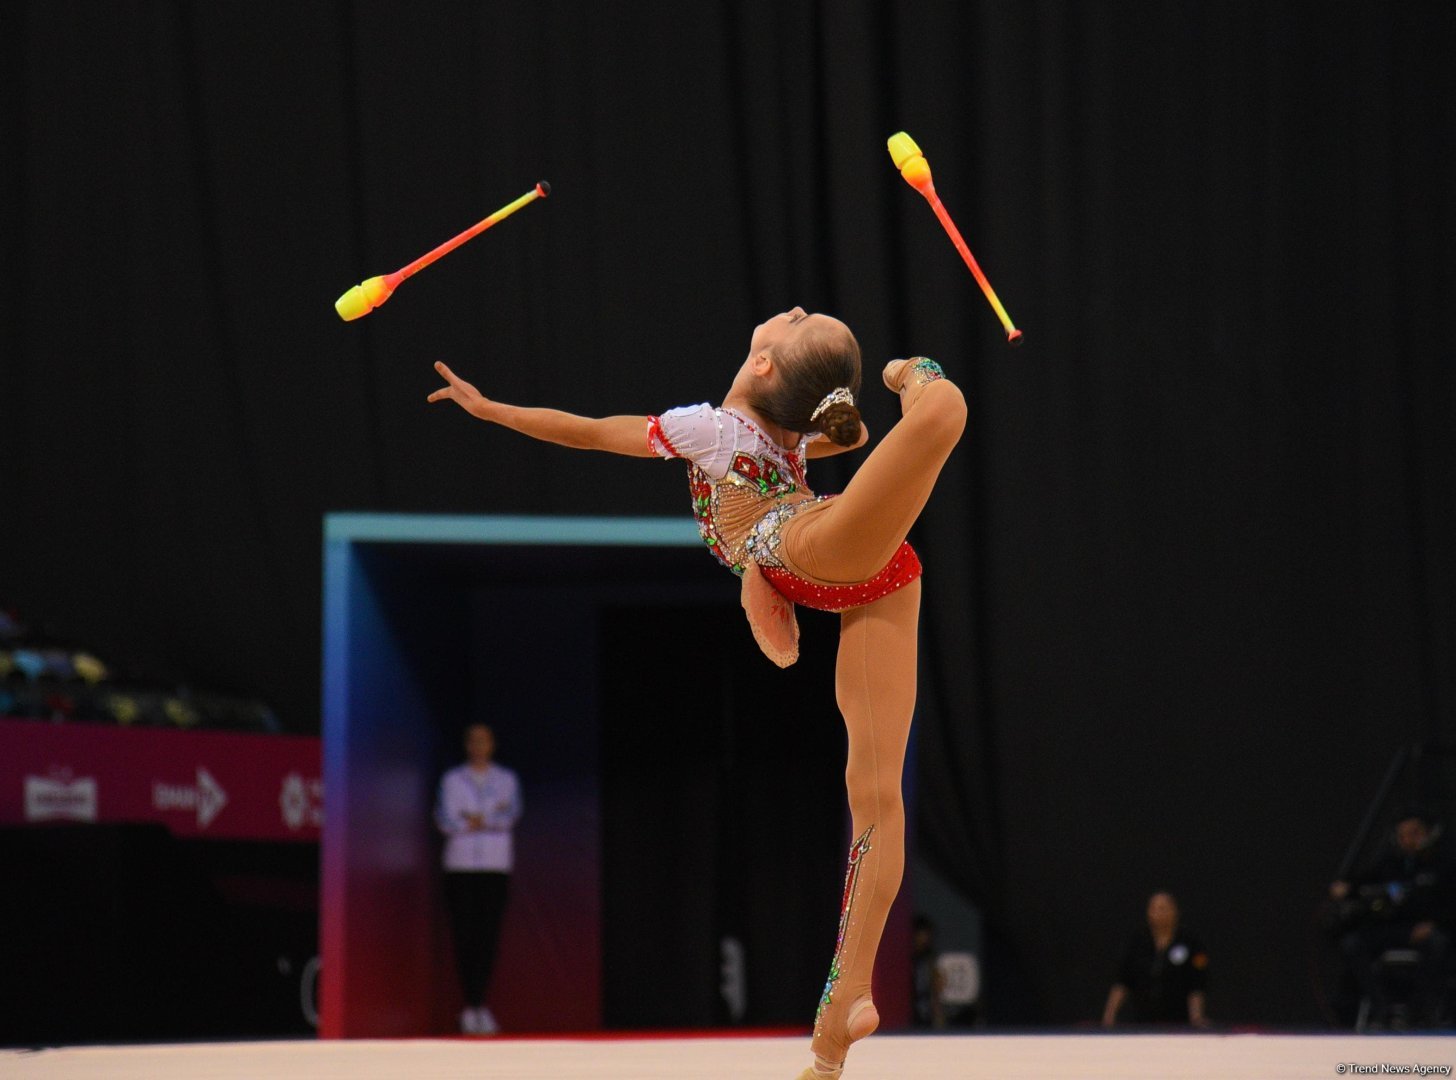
[211, 798]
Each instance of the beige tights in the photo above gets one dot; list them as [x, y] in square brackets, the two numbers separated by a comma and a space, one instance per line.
[846, 540]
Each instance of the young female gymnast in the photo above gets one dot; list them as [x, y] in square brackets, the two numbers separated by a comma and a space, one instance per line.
[792, 399]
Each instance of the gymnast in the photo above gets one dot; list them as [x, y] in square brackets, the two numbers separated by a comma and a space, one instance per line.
[792, 399]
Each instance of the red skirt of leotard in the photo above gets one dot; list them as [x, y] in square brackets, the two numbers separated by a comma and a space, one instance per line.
[901, 570]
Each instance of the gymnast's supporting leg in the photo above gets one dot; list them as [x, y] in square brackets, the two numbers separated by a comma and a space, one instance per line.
[875, 686]
[849, 540]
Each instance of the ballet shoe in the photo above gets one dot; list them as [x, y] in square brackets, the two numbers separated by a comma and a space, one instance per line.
[822, 1070]
[856, 1029]
[907, 377]
[893, 374]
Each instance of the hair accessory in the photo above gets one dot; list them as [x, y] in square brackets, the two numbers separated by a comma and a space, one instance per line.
[839, 395]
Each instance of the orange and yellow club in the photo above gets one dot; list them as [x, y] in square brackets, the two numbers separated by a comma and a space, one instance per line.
[368, 295]
[916, 171]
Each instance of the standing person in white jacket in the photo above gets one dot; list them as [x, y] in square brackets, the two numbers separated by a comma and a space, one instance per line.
[478, 806]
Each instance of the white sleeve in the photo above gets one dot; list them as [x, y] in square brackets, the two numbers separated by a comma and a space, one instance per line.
[504, 817]
[689, 431]
[450, 809]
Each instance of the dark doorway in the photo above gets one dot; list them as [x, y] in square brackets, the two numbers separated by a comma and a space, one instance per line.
[723, 819]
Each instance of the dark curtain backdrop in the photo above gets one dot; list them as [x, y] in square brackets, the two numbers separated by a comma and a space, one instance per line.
[1191, 574]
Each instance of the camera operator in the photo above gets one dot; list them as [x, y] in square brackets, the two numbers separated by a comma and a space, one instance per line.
[1407, 900]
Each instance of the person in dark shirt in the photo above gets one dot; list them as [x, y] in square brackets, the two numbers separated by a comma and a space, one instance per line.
[1406, 900]
[1164, 972]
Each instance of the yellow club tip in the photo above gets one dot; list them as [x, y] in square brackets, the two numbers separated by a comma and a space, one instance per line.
[353, 305]
[363, 298]
[902, 148]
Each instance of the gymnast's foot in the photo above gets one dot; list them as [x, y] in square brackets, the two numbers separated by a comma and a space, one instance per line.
[908, 377]
[863, 1019]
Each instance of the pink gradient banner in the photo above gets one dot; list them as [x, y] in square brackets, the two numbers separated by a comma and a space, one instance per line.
[200, 784]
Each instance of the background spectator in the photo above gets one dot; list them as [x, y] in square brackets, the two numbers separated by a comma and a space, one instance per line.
[1164, 972]
[479, 805]
[1406, 900]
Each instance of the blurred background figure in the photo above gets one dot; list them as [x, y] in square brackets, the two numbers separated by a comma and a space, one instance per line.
[1164, 972]
[478, 806]
[1396, 919]
[927, 980]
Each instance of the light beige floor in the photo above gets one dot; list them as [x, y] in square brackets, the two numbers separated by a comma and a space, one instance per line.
[981, 1057]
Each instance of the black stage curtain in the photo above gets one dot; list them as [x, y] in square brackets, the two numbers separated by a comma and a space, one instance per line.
[1191, 575]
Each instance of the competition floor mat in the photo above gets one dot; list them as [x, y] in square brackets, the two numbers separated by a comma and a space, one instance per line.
[927, 1057]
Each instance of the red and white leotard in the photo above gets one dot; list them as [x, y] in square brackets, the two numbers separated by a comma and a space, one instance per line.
[745, 487]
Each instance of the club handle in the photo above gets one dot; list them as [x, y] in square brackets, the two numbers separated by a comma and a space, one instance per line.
[540, 191]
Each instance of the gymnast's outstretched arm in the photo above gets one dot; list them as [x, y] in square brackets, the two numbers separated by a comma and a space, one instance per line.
[615, 434]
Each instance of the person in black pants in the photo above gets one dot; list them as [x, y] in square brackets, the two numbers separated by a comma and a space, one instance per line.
[1164, 973]
[478, 806]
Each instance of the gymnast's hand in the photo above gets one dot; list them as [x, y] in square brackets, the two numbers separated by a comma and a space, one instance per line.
[626, 435]
[461, 392]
